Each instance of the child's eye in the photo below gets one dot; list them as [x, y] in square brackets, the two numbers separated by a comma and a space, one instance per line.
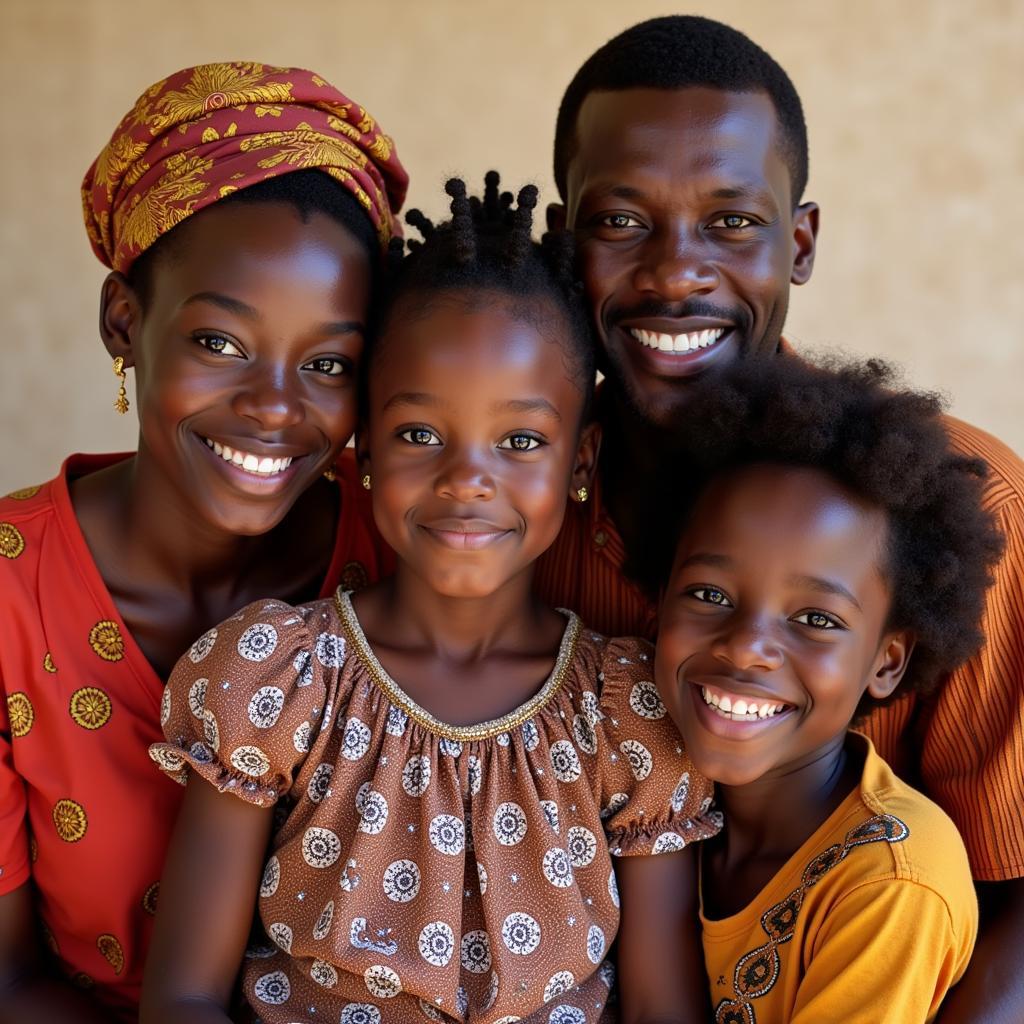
[520, 443]
[732, 221]
[420, 436]
[711, 595]
[220, 345]
[330, 365]
[817, 620]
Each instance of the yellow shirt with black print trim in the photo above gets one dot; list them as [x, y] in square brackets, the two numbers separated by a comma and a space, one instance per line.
[871, 921]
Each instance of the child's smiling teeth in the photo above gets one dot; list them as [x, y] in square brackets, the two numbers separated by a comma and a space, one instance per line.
[740, 710]
[677, 342]
[247, 461]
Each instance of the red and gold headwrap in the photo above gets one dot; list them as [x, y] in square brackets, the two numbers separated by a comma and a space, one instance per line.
[208, 131]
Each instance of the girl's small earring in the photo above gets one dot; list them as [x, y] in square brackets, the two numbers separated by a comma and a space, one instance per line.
[366, 482]
[582, 494]
[329, 474]
[121, 402]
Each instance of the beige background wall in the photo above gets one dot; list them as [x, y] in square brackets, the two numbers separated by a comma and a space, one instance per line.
[917, 158]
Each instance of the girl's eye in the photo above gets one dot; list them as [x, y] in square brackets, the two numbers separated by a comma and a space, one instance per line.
[329, 365]
[520, 443]
[420, 436]
[220, 345]
[732, 221]
[817, 620]
[711, 595]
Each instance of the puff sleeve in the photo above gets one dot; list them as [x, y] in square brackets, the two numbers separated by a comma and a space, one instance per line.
[245, 702]
[653, 799]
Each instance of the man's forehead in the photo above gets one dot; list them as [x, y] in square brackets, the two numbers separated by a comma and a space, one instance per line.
[684, 132]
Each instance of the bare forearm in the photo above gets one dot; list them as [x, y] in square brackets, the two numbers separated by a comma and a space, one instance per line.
[992, 990]
[39, 997]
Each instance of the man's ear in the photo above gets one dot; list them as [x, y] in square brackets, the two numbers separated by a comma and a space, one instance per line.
[805, 237]
[891, 663]
[120, 317]
[556, 217]
[585, 466]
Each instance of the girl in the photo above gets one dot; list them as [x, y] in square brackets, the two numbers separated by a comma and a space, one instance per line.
[452, 751]
[835, 555]
[239, 295]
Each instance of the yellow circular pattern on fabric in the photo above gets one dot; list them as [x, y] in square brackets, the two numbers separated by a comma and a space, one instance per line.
[111, 951]
[24, 493]
[48, 665]
[70, 820]
[106, 640]
[21, 713]
[90, 707]
[11, 541]
[150, 897]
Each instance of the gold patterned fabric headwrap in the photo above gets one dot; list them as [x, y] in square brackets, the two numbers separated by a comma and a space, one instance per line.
[208, 131]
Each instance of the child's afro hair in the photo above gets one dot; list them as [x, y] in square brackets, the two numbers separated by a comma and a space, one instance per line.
[887, 445]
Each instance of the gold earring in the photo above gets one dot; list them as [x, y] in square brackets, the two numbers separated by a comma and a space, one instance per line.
[121, 402]
[582, 494]
[329, 474]
[366, 482]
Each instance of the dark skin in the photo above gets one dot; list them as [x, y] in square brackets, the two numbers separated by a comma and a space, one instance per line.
[629, 161]
[678, 241]
[250, 337]
[473, 442]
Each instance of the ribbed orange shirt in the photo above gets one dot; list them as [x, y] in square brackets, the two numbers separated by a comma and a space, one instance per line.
[963, 747]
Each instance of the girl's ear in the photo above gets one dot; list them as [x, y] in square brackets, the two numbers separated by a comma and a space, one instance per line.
[120, 317]
[891, 664]
[585, 466]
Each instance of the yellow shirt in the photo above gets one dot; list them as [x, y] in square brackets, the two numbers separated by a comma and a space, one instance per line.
[871, 921]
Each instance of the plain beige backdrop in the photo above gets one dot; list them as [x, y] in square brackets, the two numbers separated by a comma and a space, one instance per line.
[917, 158]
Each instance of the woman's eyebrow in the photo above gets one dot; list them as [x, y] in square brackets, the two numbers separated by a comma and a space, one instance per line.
[226, 302]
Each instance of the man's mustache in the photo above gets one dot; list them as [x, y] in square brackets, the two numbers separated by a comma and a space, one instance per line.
[677, 311]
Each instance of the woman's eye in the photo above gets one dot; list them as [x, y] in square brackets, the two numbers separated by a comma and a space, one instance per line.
[220, 345]
[329, 365]
[732, 221]
[420, 436]
[711, 595]
[520, 443]
[817, 620]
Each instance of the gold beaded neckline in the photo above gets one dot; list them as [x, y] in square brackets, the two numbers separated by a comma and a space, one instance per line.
[464, 733]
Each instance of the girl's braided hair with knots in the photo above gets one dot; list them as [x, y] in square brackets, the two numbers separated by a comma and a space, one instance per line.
[487, 246]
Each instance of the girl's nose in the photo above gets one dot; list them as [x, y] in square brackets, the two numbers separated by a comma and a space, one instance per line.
[464, 477]
[748, 645]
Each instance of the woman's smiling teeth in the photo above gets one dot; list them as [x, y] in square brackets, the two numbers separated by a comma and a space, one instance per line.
[248, 462]
[677, 342]
[739, 709]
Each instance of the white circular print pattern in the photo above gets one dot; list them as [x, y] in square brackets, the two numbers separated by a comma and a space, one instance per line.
[639, 757]
[509, 824]
[476, 952]
[197, 697]
[558, 984]
[320, 847]
[374, 814]
[265, 706]
[330, 650]
[557, 869]
[202, 647]
[360, 1013]
[582, 845]
[565, 761]
[520, 933]
[401, 881]
[437, 943]
[355, 741]
[250, 761]
[258, 642]
[382, 982]
[273, 988]
[416, 775]
[447, 834]
[645, 702]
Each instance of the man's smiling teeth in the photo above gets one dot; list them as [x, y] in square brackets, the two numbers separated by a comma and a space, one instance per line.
[677, 342]
[740, 709]
[247, 461]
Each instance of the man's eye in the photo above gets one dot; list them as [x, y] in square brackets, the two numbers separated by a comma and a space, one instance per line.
[329, 365]
[818, 620]
[619, 221]
[711, 595]
[520, 443]
[420, 436]
[732, 221]
[220, 345]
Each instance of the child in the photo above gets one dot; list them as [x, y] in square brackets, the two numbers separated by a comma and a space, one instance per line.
[242, 209]
[834, 555]
[453, 751]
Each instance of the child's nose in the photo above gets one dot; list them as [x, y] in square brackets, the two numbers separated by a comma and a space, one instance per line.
[268, 398]
[749, 644]
[464, 476]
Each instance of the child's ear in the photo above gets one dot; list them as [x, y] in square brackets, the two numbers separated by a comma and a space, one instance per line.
[120, 317]
[586, 460]
[556, 217]
[891, 664]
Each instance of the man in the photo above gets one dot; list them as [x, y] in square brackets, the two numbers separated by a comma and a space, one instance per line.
[681, 160]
